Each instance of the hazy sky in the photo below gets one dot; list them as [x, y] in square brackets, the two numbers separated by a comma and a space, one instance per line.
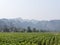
[30, 9]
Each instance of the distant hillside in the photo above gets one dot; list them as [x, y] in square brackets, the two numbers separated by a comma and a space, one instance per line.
[24, 23]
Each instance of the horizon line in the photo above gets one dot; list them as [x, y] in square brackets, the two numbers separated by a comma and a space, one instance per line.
[29, 19]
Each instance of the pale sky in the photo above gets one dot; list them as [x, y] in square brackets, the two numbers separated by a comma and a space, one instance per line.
[30, 9]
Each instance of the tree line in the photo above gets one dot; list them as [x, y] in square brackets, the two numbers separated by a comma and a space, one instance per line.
[14, 29]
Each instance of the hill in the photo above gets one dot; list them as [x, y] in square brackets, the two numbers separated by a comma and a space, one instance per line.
[52, 25]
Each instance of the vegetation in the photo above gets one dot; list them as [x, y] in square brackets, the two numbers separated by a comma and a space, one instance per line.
[28, 29]
[29, 38]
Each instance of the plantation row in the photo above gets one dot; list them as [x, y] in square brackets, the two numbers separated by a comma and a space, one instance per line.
[29, 39]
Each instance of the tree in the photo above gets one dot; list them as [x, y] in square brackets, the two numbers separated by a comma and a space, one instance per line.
[34, 30]
[6, 29]
[29, 29]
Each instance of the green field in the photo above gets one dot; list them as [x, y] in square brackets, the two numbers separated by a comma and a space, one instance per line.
[29, 38]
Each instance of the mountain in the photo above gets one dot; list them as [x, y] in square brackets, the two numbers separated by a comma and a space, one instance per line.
[52, 25]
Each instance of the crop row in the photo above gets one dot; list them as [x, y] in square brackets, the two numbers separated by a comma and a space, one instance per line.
[29, 39]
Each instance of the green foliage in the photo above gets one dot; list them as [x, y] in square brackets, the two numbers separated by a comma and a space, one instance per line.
[29, 39]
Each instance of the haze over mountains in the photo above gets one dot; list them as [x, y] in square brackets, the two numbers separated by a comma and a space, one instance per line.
[52, 25]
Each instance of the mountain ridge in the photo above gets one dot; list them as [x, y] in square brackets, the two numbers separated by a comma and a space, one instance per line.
[24, 23]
